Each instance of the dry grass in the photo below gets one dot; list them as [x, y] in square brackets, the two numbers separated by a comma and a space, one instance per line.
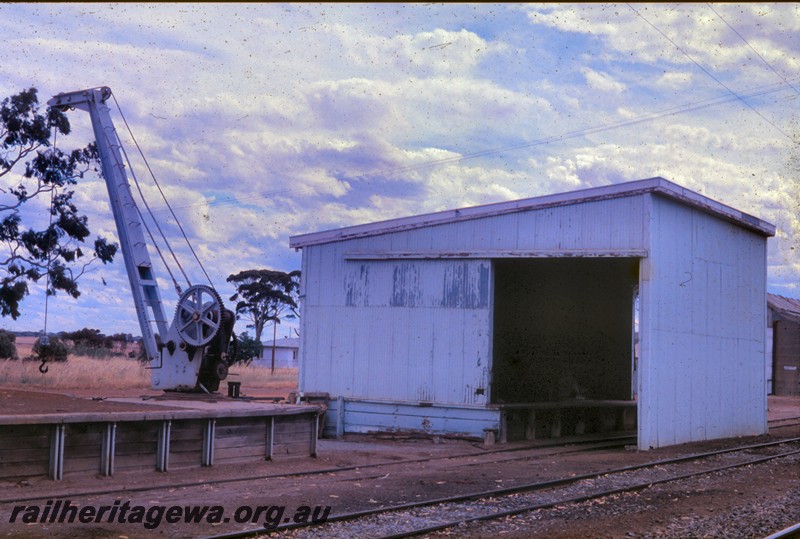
[77, 373]
[82, 372]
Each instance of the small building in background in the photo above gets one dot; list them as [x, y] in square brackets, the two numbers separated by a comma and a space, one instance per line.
[518, 319]
[783, 341]
[286, 353]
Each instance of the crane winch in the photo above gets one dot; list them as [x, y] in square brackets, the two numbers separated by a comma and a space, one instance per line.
[191, 353]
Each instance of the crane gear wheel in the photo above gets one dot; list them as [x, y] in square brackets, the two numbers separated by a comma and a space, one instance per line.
[221, 370]
[198, 315]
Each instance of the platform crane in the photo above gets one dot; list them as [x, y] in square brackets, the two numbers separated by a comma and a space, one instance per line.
[191, 353]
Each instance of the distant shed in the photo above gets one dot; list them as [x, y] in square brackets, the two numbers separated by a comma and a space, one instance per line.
[783, 325]
[286, 353]
[518, 318]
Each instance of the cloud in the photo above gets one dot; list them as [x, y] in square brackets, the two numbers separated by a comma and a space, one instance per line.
[263, 121]
[424, 54]
[666, 34]
[674, 80]
[602, 82]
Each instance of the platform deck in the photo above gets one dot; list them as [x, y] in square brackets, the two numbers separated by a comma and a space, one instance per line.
[52, 434]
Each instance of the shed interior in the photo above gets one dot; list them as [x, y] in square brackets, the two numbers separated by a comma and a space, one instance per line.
[563, 330]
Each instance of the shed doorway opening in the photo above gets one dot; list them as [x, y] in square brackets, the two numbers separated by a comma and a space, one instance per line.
[564, 333]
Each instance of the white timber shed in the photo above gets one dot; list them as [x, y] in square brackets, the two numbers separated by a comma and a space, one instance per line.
[639, 305]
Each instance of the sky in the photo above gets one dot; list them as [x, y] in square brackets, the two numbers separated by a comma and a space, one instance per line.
[265, 121]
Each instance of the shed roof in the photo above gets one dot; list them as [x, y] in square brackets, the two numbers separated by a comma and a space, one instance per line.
[284, 342]
[786, 306]
[656, 185]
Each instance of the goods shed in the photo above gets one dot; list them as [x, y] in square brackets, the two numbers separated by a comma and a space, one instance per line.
[783, 334]
[635, 305]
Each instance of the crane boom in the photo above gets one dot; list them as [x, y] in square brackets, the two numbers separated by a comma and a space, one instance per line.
[126, 215]
[202, 327]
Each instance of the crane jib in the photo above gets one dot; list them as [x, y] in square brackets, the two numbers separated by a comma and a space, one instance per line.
[176, 352]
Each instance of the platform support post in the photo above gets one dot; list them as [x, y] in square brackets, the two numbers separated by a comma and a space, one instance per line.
[162, 459]
[209, 433]
[107, 449]
[270, 438]
[56, 471]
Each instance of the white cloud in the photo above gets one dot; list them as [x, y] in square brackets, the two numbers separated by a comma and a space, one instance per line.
[602, 82]
[262, 121]
[674, 80]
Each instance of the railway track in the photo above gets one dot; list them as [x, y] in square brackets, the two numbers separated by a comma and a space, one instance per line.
[489, 456]
[425, 517]
[792, 532]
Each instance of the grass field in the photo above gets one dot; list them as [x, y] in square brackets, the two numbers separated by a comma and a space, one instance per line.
[83, 372]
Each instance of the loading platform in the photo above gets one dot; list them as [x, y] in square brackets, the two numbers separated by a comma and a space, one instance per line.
[46, 434]
[533, 420]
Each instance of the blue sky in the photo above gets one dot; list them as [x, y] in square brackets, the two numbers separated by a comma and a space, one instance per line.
[263, 121]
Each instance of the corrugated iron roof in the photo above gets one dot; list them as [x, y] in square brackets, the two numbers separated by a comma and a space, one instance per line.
[786, 306]
[656, 185]
[286, 342]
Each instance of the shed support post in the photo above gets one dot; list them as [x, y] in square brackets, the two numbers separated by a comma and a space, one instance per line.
[555, 431]
[339, 416]
[530, 426]
[107, 449]
[56, 471]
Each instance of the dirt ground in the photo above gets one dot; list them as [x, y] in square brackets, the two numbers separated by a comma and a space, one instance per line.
[653, 511]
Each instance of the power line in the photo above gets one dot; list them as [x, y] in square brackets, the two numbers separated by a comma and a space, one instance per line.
[707, 72]
[754, 50]
[680, 109]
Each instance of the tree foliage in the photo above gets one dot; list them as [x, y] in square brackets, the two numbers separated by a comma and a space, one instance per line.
[247, 349]
[29, 254]
[8, 345]
[88, 338]
[265, 295]
[54, 350]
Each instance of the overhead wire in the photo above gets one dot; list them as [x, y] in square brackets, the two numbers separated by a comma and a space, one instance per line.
[797, 91]
[711, 75]
[672, 111]
[690, 107]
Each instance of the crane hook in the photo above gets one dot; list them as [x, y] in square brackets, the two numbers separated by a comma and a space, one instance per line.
[43, 368]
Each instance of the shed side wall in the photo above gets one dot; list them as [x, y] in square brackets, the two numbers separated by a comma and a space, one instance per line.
[420, 330]
[704, 300]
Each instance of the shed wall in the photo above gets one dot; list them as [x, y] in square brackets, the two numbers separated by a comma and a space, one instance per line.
[703, 301]
[787, 357]
[419, 330]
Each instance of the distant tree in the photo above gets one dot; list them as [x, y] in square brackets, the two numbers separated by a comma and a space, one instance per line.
[266, 295]
[8, 345]
[54, 350]
[122, 338]
[88, 342]
[247, 349]
[27, 254]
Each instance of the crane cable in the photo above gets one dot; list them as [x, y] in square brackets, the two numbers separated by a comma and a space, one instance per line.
[44, 340]
[163, 196]
[119, 145]
[150, 233]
